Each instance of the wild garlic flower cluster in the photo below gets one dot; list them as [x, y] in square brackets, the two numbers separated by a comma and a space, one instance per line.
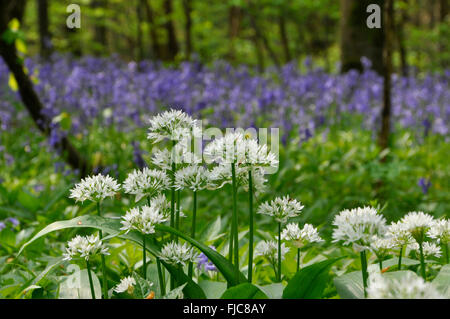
[358, 226]
[143, 219]
[409, 286]
[269, 250]
[173, 125]
[84, 247]
[146, 182]
[417, 224]
[95, 188]
[398, 235]
[440, 231]
[281, 208]
[126, 284]
[429, 249]
[177, 254]
[178, 155]
[381, 246]
[221, 175]
[240, 149]
[301, 237]
[193, 177]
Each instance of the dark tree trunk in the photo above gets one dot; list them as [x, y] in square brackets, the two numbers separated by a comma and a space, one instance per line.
[139, 41]
[44, 33]
[401, 42]
[172, 43]
[100, 31]
[156, 46]
[357, 40]
[234, 23]
[187, 6]
[388, 14]
[14, 9]
[443, 41]
[283, 36]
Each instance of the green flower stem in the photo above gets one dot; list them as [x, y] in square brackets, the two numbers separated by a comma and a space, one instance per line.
[380, 262]
[91, 284]
[177, 214]
[298, 259]
[279, 251]
[250, 239]
[365, 275]
[105, 278]
[422, 261]
[400, 258]
[194, 221]
[144, 259]
[235, 221]
[446, 253]
[172, 204]
[162, 285]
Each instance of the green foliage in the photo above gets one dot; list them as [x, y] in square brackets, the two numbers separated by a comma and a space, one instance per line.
[244, 291]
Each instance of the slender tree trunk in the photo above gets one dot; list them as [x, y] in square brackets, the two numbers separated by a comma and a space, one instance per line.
[357, 40]
[388, 25]
[15, 9]
[139, 41]
[187, 6]
[100, 31]
[283, 35]
[172, 43]
[156, 46]
[44, 34]
[401, 42]
[234, 23]
[443, 41]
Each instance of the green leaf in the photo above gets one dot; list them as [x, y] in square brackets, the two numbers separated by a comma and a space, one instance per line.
[142, 288]
[244, 291]
[222, 264]
[442, 281]
[175, 293]
[350, 286]
[273, 291]
[309, 282]
[76, 286]
[405, 262]
[213, 289]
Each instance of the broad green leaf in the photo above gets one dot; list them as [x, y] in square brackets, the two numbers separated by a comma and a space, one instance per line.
[213, 289]
[405, 262]
[76, 286]
[350, 286]
[244, 291]
[176, 293]
[142, 288]
[442, 281]
[273, 291]
[309, 282]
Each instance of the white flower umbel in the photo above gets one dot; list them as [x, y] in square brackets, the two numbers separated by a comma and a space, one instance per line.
[281, 208]
[440, 231]
[409, 286]
[357, 226]
[269, 250]
[429, 249]
[126, 284]
[177, 254]
[417, 224]
[180, 156]
[381, 246]
[192, 177]
[399, 235]
[95, 188]
[221, 175]
[301, 237]
[173, 125]
[143, 219]
[146, 182]
[84, 247]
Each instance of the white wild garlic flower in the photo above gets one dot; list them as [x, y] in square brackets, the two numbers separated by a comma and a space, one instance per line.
[192, 177]
[281, 208]
[164, 158]
[301, 237]
[177, 254]
[357, 226]
[399, 235]
[84, 247]
[417, 224]
[409, 286]
[173, 125]
[143, 219]
[95, 188]
[269, 250]
[221, 175]
[146, 182]
[126, 284]
[382, 246]
[440, 231]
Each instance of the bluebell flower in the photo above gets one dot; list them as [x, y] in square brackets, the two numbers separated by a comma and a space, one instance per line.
[425, 184]
[204, 263]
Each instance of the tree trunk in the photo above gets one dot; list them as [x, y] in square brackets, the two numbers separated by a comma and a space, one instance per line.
[401, 42]
[187, 6]
[234, 23]
[172, 44]
[44, 34]
[156, 46]
[388, 24]
[283, 36]
[8, 11]
[357, 40]
[139, 41]
[100, 31]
